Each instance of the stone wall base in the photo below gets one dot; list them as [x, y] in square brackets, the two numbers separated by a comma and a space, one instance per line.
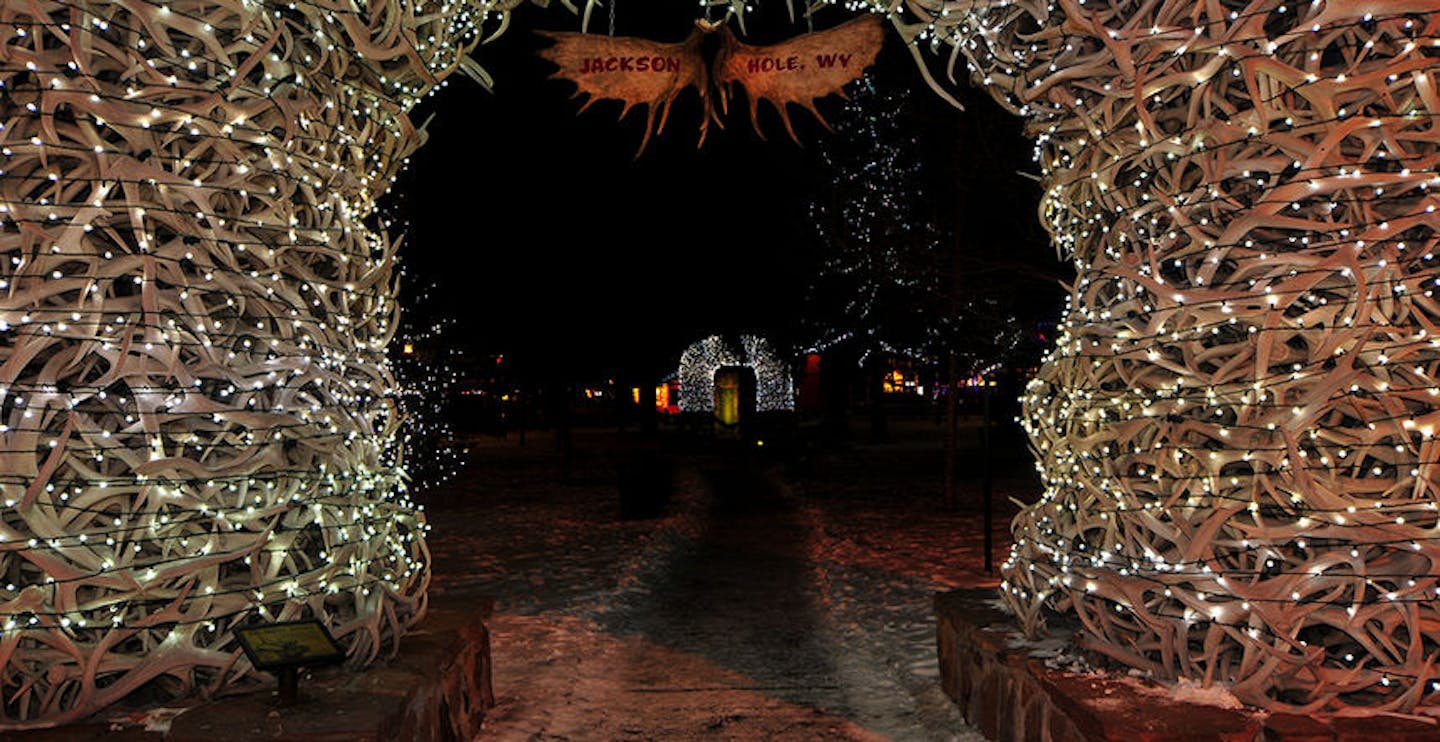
[1012, 696]
[437, 690]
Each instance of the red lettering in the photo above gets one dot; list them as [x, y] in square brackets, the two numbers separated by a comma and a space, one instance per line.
[781, 64]
[595, 65]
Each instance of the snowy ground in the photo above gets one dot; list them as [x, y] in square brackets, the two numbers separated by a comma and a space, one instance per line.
[769, 602]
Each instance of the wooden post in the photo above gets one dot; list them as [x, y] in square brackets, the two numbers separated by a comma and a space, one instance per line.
[988, 490]
[952, 434]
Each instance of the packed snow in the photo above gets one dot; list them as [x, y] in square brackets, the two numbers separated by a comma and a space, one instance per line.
[779, 597]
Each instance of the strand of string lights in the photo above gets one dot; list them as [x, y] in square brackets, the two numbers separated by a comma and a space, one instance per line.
[198, 425]
[426, 369]
[1235, 426]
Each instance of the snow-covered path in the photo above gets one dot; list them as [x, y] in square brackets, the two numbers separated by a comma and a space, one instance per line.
[750, 611]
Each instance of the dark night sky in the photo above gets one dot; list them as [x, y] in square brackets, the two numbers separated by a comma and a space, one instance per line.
[547, 237]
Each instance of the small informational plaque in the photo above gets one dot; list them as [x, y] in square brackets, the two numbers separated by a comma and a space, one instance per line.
[289, 644]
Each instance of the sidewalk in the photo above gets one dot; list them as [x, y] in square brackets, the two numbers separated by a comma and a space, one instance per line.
[750, 610]
[768, 600]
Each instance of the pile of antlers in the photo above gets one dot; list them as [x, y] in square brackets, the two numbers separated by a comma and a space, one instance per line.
[1236, 427]
[194, 402]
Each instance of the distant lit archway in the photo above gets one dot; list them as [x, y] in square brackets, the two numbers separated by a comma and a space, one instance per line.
[774, 386]
[1235, 427]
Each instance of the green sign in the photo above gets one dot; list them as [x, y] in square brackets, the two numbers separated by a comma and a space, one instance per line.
[289, 644]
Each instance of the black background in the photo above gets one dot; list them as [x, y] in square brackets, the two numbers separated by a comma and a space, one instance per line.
[546, 237]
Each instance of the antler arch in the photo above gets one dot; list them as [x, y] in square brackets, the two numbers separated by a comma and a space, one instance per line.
[194, 400]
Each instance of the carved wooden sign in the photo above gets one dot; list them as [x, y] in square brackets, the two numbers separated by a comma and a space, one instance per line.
[800, 71]
[640, 72]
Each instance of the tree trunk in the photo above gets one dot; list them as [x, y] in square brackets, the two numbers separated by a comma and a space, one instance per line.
[875, 381]
[952, 434]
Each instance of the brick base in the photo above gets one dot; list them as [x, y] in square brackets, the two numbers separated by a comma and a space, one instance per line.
[437, 689]
[1011, 696]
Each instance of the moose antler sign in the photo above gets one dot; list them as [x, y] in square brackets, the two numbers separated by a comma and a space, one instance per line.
[640, 72]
